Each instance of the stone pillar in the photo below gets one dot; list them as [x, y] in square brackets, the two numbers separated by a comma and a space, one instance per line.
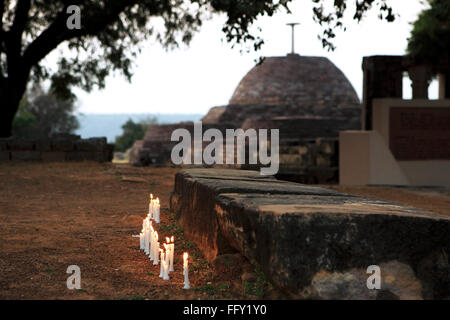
[383, 77]
[420, 76]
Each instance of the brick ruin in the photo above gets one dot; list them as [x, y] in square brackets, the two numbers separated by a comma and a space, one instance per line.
[307, 98]
[63, 147]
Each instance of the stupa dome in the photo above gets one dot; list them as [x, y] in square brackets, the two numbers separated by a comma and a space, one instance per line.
[309, 86]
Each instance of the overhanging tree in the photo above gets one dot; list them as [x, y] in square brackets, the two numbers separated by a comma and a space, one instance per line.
[430, 36]
[111, 31]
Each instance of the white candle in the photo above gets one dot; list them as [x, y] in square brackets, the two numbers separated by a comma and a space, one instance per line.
[146, 236]
[161, 269]
[166, 271]
[172, 250]
[141, 240]
[156, 211]
[164, 263]
[186, 271]
[156, 258]
[150, 207]
[152, 243]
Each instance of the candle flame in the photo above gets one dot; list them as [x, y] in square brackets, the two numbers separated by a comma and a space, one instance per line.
[151, 195]
[167, 240]
[185, 256]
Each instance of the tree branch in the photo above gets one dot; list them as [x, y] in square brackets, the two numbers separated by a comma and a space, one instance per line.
[2, 48]
[20, 17]
[58, 32]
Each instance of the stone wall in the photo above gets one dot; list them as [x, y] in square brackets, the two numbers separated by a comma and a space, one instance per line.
[315, 243]
[303, 157]
[58, 148]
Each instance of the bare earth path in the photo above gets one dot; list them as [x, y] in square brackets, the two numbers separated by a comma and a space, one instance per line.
[60, 214]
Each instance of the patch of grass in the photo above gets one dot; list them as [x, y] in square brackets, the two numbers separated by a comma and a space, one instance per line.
[209, 289]
[223, 286]
[258, 287]
[137, 298]
[81, 290]
[199, 264]
[213, 289]
[254, 289]
[187, 245]
[49, 270]
[168, 227]
[150, 274]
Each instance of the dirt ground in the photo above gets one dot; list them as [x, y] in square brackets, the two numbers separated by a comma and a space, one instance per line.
[53, 215]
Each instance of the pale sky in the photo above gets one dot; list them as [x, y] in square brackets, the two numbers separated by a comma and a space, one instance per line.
[205, 74]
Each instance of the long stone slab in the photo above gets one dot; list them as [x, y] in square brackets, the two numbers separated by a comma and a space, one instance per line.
[194, 200]
[313, 242]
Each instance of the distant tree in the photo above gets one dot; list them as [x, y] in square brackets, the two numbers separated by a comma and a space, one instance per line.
[103, 36]
[430, 36]
[132, 131]
[41, 115]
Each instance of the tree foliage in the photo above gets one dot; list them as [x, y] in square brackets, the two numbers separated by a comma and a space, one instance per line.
[430, 36]
[132, 131]
[42, 115]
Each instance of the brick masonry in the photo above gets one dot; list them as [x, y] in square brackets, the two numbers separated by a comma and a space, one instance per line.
[60, 148]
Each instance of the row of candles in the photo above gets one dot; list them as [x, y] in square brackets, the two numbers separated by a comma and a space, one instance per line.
[149, 243]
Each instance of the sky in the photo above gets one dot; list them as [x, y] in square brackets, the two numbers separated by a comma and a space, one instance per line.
[205, 74]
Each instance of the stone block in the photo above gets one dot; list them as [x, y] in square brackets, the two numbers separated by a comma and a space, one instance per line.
[310, 242]
[43, 145]
[5, 156]
[26, 155]
[65, 145]
[53, 156]
[93, 144]
[3, 144]
[20, 145]
[290, 158]
[323, 161]
[327, 146]
[78, 155]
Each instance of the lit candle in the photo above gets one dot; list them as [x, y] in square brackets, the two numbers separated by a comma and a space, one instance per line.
[186, 271]
[156, 210]
[141, 240]
[166, 271]
[165, 263]
[161, 269]
[150, 207]
[146, 236]
[172, 250]
[152, 243]
[156, 245]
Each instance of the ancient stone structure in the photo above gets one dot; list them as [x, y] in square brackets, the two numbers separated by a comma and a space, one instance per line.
[313, 242]
[64, 147]
[307, 98]
[402, 141]
[383, 79]
[296, 85]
